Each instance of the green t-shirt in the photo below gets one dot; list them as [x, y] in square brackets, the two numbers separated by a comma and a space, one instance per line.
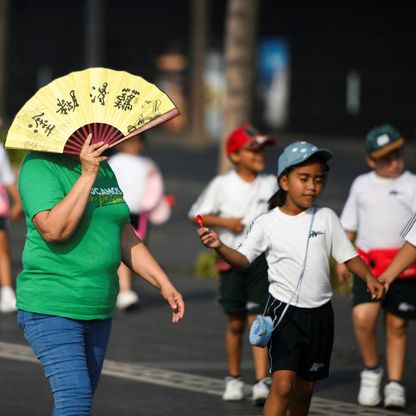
[76, 278]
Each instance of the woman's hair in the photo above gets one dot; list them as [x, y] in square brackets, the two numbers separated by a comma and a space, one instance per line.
[278, 199]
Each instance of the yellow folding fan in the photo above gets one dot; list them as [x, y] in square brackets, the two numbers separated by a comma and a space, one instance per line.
[112, 105]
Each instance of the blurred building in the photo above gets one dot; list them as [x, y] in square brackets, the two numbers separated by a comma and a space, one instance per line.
[351, 63]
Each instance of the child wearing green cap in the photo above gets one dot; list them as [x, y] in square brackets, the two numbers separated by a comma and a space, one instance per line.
[379, 204]
[298, 238]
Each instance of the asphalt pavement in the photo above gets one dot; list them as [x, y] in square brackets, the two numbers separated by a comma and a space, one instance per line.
[156, 368]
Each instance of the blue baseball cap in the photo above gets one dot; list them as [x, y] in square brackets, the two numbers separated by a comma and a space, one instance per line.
[297, 152]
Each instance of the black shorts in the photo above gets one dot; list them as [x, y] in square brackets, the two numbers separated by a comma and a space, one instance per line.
[303, 340]
[400, 299]
[3, 223]
[245, 290]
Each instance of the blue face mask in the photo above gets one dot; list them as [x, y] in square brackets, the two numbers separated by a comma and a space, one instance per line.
[261, 331]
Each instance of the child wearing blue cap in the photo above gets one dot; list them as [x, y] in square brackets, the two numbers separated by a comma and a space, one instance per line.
[298, 238]
[379, 204]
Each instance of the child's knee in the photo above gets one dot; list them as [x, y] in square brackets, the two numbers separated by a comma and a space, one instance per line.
[236, 326]
[282, 386]
[395, 326]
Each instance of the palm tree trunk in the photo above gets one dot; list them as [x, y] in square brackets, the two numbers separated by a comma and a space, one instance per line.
[4, 9]
[240, 37]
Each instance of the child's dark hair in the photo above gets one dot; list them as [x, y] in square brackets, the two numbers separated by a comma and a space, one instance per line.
[278, 199]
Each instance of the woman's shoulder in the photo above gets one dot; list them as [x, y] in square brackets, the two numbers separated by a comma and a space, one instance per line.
[38, 162]
[46, 158]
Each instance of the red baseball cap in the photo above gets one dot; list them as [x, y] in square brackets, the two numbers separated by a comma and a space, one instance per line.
[247, 136]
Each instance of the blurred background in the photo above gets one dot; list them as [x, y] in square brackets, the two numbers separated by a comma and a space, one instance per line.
[322, 71]
[333, 68]
[327, 72]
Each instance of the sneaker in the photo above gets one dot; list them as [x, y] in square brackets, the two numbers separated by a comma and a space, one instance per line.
[7, 300]
[233, 389]
[260, 391]
[127, 299]
[394, 396]
[369, 394]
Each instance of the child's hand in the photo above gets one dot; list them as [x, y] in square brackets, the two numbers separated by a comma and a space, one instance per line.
[386, 281]
[209, 238]
[376, 289]
[235, 225]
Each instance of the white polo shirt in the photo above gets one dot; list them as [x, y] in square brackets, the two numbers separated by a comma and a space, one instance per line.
[132, 173]
[283, 238]
[6, 174]
[409, 231]
[228, 195]
[378, 208]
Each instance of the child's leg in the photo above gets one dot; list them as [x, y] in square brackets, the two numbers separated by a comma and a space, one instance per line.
[233, 342]
[396, 331]
[301, 401]
[260, 356]
[364, 319]
[281, 392]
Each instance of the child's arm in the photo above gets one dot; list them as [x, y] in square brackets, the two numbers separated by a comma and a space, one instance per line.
[233, 224]
[404, 258]
[360, 268]
[341, 269]
[210, 239]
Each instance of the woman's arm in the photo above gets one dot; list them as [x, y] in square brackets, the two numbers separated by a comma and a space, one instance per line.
[210, 239]
[59, 223]
[136, 256]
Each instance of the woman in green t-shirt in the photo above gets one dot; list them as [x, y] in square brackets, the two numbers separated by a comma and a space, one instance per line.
[78, 232]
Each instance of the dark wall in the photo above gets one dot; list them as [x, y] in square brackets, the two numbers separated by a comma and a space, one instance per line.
[330, 39]
[327, 39]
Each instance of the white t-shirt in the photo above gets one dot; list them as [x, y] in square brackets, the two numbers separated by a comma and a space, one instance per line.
[378, 208]
[409, 231]
[283, 238]
[6, 173]
[132, 172]
[228, 195]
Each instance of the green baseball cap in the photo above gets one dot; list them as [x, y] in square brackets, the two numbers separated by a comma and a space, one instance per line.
[382, 140]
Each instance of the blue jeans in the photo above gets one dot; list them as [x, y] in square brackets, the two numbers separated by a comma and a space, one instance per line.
[71, 353]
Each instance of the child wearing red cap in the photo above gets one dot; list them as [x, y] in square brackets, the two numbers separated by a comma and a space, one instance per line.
[230, 202]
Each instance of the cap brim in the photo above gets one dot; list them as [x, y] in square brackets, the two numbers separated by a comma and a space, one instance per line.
[387, 149]
[325, 154]
[260, 141]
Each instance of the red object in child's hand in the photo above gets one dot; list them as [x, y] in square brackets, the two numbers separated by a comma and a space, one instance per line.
[170, 199]
[199, 219]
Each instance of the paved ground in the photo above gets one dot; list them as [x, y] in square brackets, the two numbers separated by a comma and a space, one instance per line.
[155, 368]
